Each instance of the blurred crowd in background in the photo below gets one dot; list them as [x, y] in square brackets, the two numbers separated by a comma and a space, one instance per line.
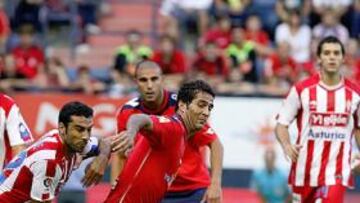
[242, 47]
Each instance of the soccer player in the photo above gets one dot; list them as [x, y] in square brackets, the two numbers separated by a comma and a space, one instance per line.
[14, 132]
[325, 107]
[153, 163]
[38, 173]
[193, 181]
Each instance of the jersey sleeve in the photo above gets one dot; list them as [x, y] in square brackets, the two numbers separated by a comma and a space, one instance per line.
[46, 179]
[204, 137]
[16, 127]
[121, 119]
[289, 108]
[165, 131]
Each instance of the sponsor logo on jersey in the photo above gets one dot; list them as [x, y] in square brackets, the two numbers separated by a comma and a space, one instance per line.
[24, 132]
[329, 119]
[326, 135]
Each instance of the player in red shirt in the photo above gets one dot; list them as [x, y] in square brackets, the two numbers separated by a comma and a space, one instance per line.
[152, 165]
[326, 109]
[38, 173]
[193, 179]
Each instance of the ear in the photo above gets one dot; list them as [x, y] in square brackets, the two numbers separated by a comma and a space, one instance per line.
[182, 106]
[62, 128]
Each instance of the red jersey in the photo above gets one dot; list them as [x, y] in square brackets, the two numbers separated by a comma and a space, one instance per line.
[212, 68]
[176, 63]
[193, 173]
[326, 117]
[28, 60]
[152, 165]
[40, 171]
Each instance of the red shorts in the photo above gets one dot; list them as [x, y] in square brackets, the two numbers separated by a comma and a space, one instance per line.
[321, 194]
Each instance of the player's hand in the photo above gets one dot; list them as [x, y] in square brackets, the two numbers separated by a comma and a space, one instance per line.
[292, 152]
[212, 194]
[95, 170]
[355, 164]
[122, 142]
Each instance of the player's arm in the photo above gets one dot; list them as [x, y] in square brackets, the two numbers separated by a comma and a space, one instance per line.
[18, 132]
[125, 139]
[96, 169]
[287, 114]
[118, 159]
[213, 193]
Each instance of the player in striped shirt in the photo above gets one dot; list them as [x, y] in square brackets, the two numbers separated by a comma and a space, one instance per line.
[325, 107]
[14, 132]
[153, 163]
[38, 173]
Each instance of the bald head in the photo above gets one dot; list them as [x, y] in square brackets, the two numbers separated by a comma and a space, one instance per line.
[146, 64]
[148, 77]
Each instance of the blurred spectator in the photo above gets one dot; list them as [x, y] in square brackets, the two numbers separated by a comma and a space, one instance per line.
[235, 9]
[29, 58]
[271, 183]
[352, 61]
[330, 26]
[355, 20]
[280, 70]
[88, 13]
[220, 33]
[170, 59]
[121, 85]
[265, 9]
[297, 35]
[132, 52]
[86, 83]
[284, 6]
[9, 79]
[339, 7]
[28, 12]
[243, 56]
[188, 17]
[210, 64]
[4, 27]
[255, 34]
[53, 76]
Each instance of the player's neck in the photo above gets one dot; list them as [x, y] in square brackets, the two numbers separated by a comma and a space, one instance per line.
[155, 105]
[330, 79]
[66, 148]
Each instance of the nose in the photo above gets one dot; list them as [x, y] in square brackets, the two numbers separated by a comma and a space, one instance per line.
[150, 85]
[206, 111]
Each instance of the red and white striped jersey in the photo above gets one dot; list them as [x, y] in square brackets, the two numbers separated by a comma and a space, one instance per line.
[39, 172]
[326, 117]
[13, 129]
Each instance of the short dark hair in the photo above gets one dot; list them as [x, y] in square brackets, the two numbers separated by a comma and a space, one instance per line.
[188, 91]
[329, 39]
[74, 108]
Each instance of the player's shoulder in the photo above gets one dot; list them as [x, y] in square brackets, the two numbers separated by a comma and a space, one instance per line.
[130, 105]
[6, 101]
[48, 147]
[307, 82]
[352, 86]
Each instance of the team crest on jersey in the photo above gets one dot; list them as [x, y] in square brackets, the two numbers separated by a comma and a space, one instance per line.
[24, 132]
[48, 182]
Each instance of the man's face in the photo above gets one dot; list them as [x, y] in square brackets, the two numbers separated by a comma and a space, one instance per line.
[149, 83]
[331, 57]
[77, 133]
[199, 109]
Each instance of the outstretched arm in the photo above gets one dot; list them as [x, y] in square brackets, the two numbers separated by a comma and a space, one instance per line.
[124, 140]
[213, 193]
